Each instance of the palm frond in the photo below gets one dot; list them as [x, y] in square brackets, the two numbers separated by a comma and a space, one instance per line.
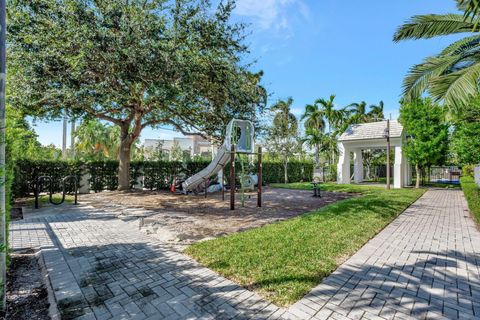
[309, 109]
[419, 76]
[433, 25]
[471, 9]
[457, 88]
[462, 45]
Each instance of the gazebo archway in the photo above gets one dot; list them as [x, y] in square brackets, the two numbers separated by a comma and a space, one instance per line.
[372, 136]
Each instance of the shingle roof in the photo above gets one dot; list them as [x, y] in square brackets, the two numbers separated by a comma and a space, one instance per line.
[372, 130]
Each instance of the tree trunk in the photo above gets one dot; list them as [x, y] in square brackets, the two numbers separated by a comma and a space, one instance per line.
[285, 170]
[124, 165]
[124, 159]
[418, 172]
[317, 156]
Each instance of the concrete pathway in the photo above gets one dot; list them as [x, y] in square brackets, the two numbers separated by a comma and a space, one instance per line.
[425, 264]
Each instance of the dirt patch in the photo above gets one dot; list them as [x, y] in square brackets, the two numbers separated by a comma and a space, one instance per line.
[187, 219]
[27, 296]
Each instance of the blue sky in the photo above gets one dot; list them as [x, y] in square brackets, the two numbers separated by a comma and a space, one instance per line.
[313, 48]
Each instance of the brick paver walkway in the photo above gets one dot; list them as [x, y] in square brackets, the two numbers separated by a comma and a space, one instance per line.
[425, 264]
[101, 267]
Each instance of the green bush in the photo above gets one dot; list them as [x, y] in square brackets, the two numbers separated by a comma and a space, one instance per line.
[25, 173]
[103, 175]
[472, 194]
[467, 170]
[157, 174]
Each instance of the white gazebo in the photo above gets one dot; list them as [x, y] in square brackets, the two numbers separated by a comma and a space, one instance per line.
[372, 136]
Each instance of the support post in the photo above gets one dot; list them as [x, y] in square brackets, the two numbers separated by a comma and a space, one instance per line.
[3, 231]
[221, 183]
[205, 186]
[398, 168]
[232, 178]
[358, 166]
[259, 177]
[343, 166]
[388, 154]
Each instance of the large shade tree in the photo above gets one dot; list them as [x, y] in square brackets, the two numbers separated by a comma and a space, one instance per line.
[135, 63]
[452, 75]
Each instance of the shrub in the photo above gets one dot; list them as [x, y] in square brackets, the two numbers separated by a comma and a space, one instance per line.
[467, 170]
[472, 194]
[157, 175]
[103, 175]
[27, 171]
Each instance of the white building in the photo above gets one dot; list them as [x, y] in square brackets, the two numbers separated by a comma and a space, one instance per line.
[194, 144]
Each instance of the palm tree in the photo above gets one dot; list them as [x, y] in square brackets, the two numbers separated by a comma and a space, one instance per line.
[453, 74]
[97, 141]
[314, 129]
[284, 120]
[314, 139]
[376, 112]
[314, 117]
[357, 112]
[332, 115]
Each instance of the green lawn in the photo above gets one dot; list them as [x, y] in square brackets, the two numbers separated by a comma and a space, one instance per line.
[284, 260]
[472, 194]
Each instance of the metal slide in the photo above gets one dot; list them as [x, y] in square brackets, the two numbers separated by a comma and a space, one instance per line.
[244, 133]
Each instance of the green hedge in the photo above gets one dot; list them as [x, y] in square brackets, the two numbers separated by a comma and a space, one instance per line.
[472, 194]
[157, 174]
[25, 173]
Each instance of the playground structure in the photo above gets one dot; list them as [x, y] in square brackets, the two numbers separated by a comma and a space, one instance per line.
[239, 139]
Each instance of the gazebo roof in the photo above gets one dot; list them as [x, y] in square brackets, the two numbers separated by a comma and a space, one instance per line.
[372, 130]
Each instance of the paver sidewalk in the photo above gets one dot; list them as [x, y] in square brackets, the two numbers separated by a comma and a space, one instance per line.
[425, 264]
[103, 268]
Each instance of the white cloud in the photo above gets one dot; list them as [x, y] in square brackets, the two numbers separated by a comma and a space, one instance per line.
[272, 14]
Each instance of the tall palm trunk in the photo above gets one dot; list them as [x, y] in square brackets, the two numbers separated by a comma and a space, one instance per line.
[317, 155]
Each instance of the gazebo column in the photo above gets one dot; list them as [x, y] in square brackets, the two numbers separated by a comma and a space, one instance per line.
[406, 171]
[358, 166]
[399, 168]
[343, 166]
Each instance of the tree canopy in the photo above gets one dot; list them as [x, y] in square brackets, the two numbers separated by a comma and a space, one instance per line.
[424, 122]
[466, 134]
[135, 63]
